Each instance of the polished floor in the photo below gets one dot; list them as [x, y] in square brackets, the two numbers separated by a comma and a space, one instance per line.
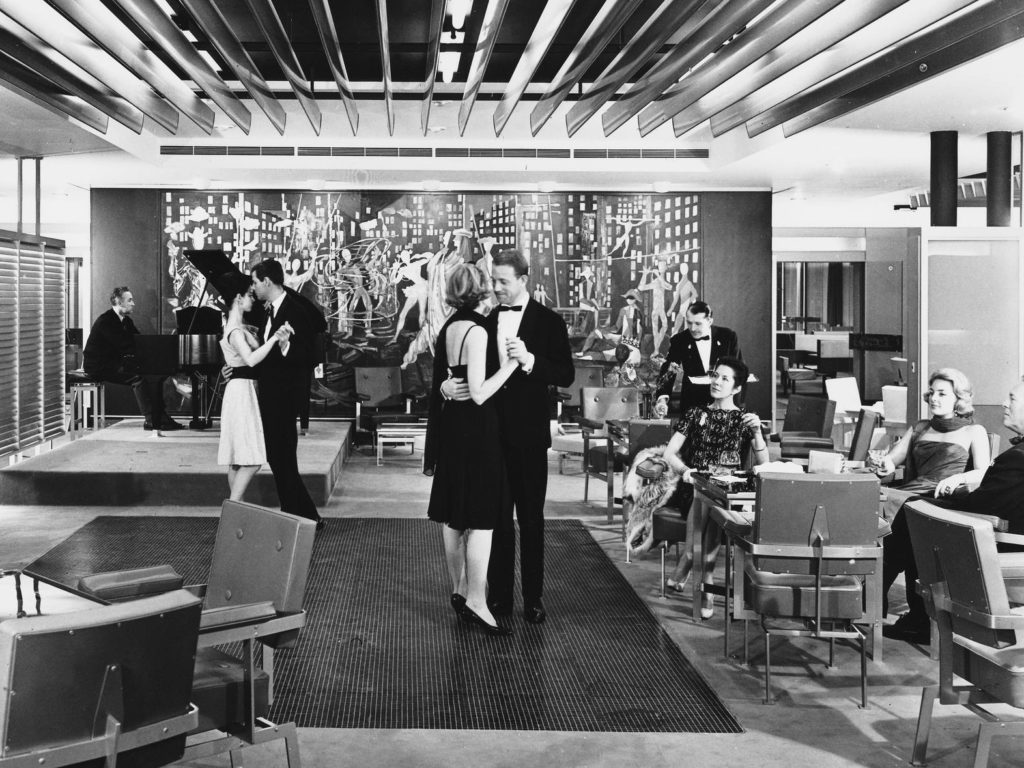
[815, 722]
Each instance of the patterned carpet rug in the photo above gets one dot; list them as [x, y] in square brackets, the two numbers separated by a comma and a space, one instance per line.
[383, 649]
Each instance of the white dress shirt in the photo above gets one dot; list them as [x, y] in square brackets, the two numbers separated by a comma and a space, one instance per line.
[704, 350]
[508, 326]
[275, 306]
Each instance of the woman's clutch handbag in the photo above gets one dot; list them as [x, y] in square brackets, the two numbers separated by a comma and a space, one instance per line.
[651, 468]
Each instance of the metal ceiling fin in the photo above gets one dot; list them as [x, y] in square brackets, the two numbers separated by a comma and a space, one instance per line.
[97, 21]
[273, 30]
[551, 20]
[911, 51]
[868, 40]
[45, 61]
[701, 39]
[16, 77]
[150, 17]
[837, 25]
[960, 52]
[384, 40]
[329, 39]
[669, 17]
[606, 24]
[47, 24]
[213, 24]
[434, 30]
[774, 28]
[494, 14]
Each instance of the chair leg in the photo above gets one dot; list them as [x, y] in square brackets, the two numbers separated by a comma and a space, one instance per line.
[610, 483]
[586, 477]
[924, 723]
[831, 652]
[863, 672]
[768, 668]
[664, 547]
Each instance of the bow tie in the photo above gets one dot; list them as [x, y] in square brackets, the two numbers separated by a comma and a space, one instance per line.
[703, 338]
[506, 308]
[1016, 440]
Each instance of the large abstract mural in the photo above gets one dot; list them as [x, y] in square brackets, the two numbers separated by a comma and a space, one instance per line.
[614, 265]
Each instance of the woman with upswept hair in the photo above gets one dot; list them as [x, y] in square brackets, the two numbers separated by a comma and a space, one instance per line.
[936, 453]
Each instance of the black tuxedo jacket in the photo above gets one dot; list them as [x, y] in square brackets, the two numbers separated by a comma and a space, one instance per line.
[524, 400]
[300, 351]
[1001, 492]
[682, 349]
[111, 346]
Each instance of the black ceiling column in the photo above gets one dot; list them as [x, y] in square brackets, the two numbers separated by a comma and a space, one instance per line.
[997, 179]
[944, 178]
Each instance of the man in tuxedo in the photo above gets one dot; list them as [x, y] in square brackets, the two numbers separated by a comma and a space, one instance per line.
[282, 378]
[693, 353]
[524, 330]
[110, 357]
[999, 494]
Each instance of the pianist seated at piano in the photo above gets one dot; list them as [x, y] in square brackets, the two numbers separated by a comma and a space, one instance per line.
[110, 357]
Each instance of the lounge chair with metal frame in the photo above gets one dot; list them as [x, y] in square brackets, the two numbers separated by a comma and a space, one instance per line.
[597, 406]
[253, 595]
[99, 684]
[970, 595]
[813, 547]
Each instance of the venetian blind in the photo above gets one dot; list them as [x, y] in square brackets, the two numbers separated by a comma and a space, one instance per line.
[31, 342]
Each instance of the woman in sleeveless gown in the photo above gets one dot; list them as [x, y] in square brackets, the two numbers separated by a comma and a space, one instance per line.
[463, 450]
[241, 430]
[936, 452]
[713, 438]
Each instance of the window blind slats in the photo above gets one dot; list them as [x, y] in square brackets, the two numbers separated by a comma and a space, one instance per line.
[31, 344]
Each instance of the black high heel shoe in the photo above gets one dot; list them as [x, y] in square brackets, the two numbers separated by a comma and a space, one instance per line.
[458, 603]
[496, 630]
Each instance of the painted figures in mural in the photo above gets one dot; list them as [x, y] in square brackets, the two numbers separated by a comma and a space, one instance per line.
[377, 264]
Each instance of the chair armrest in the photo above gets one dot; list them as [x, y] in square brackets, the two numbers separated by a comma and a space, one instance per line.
[590, 424]
[361, 397]
[1009, 538]
[998, 524]
[828, 552]
[236, 615]
[131, 584]
[263, 631]
[562, 396]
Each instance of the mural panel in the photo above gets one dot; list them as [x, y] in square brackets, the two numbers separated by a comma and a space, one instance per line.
[619, 268]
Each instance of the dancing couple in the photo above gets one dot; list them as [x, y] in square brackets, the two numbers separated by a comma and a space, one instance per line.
[488, 437]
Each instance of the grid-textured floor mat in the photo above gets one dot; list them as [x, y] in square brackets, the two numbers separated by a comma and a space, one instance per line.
[383, 649]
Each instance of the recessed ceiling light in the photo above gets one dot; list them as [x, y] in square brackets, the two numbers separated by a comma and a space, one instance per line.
[431, 185]
[661, 187]
[436, 129]
[546, 186]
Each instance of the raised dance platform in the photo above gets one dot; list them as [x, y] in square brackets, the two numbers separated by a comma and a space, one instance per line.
[123, 465]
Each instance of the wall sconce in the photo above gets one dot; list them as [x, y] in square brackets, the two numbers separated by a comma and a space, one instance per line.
[459, 10]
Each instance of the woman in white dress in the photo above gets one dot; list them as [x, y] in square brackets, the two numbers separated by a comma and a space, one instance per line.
[241, 430]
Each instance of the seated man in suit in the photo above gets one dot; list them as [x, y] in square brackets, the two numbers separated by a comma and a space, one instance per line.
[999, 494]
[692, 353]
[110, 357]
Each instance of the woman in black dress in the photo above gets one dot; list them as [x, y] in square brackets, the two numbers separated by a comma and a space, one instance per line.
[463, 452]
[711, 438]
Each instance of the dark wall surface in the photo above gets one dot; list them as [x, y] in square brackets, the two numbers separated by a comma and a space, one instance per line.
[737, 240]
[125, 242]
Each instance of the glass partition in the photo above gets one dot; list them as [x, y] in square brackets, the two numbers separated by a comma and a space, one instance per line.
[820, 296]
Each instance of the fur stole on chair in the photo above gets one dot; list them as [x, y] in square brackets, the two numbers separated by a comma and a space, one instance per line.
[640, 498]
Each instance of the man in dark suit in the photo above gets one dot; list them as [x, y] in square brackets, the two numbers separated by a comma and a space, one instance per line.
[693, 353]
[109, 356]
[999, 494]
[524, 330]
[282, 377]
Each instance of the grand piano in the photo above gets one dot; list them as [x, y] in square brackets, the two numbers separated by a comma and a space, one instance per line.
[194, 349]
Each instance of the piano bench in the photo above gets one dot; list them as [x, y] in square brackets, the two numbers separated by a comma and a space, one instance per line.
[86, 396]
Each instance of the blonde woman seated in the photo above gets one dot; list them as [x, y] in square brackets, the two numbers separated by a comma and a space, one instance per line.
[713, 438]
[935, 451]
